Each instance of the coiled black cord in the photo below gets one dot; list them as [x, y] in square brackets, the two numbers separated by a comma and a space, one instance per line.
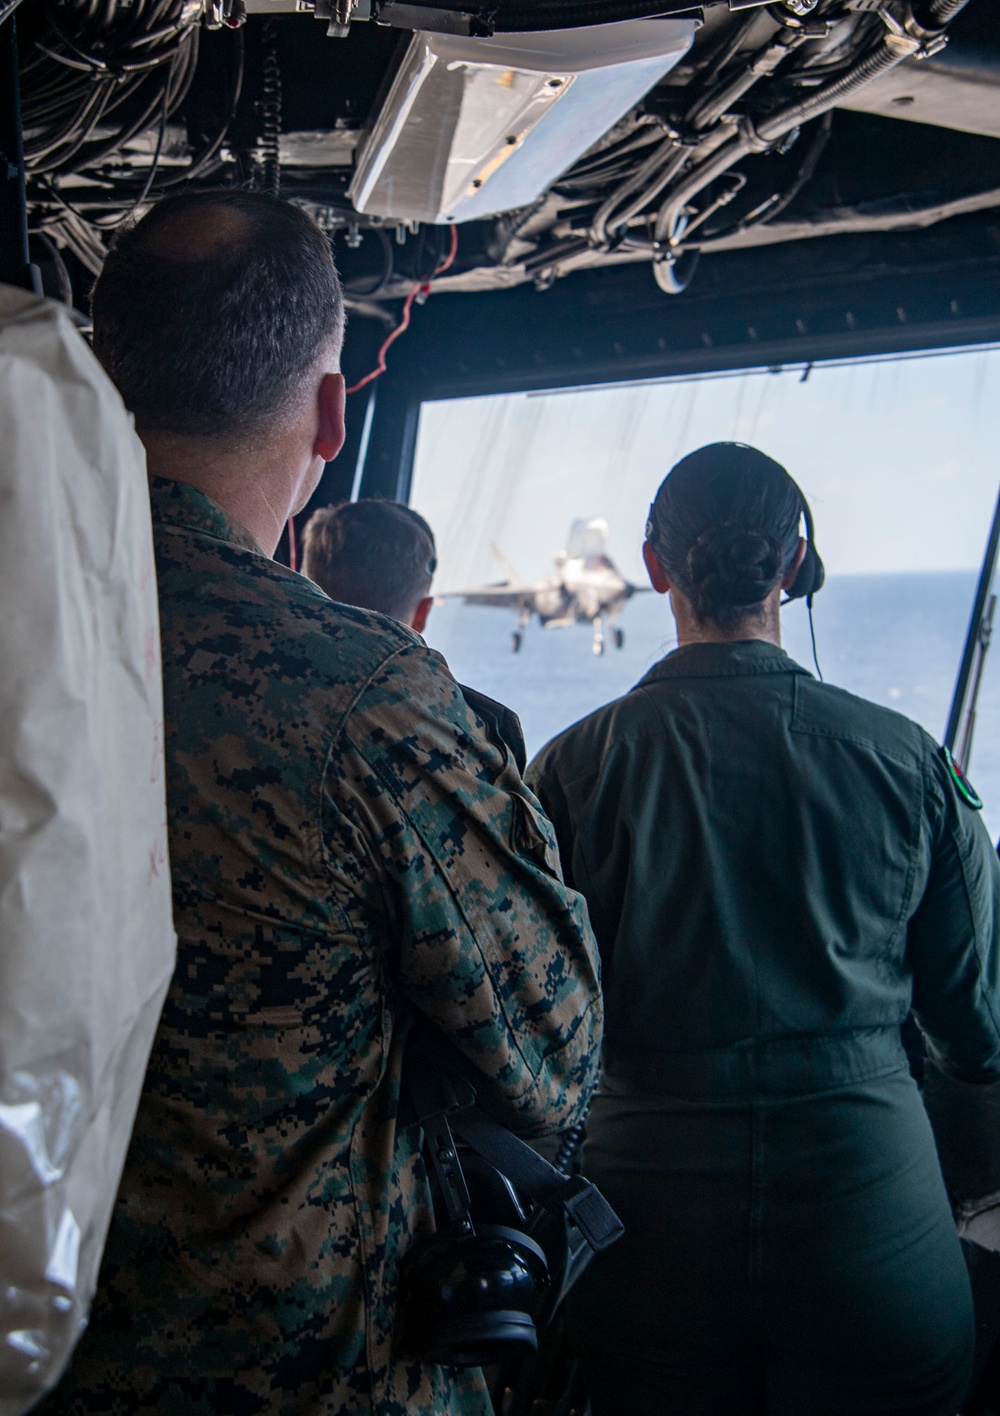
[567, 1160]
[943, 11]
[270, 114]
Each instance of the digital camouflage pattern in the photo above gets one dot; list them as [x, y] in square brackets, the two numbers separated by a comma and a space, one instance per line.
[349, 848]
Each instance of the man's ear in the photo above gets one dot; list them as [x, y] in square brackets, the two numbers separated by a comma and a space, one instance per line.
[788, 579]
[419, 618]
[329, 417]
[658, 577]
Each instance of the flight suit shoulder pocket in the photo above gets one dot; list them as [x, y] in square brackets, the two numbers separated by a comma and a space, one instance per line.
[820, 710]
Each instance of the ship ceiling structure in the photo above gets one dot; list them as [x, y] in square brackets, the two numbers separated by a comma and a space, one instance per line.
[638, 187]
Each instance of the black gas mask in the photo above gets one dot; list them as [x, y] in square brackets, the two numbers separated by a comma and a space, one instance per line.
[514, 1233]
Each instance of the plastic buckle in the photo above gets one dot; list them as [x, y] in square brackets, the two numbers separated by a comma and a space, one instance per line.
[587, 1208]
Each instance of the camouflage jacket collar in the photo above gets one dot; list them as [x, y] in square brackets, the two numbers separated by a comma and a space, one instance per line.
[179, 505]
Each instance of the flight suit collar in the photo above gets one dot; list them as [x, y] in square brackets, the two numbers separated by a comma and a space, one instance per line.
[177, 504]
[736, 660]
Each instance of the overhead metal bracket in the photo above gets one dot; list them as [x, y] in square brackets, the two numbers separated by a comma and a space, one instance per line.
[479, 21]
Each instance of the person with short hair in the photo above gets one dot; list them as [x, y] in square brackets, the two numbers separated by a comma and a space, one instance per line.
[351, 854]
[375, 553]
[775, 871]
[381, 555]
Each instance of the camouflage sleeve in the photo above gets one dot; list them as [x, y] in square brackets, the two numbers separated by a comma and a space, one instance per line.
[487, 941]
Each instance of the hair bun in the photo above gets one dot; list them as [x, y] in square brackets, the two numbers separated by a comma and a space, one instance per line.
[731, 566]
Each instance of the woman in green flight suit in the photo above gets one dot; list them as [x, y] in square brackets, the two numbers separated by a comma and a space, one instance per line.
[776, 872]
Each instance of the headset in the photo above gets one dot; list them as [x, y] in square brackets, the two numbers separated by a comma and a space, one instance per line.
[810, 577]
[811, 573]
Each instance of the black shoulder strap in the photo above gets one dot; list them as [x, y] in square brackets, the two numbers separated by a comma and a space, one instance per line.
[581, 1200]
[444, 1102]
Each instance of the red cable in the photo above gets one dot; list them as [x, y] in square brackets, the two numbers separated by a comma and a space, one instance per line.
[422, 287]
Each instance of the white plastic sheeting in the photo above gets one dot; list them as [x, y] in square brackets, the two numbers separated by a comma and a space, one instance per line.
[86, 939]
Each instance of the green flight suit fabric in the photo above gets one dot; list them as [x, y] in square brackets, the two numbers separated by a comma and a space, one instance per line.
[774, 870]
[349, 850]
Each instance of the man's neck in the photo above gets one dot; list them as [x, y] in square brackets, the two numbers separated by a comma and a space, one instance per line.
[232, 480]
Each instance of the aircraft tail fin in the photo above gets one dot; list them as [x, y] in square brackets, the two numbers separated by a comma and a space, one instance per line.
[508, 570]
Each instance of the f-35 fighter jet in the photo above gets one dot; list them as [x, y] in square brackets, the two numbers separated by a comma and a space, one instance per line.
[586, 588]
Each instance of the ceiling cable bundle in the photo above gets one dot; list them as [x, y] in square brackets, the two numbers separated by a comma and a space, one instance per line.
[102, 82]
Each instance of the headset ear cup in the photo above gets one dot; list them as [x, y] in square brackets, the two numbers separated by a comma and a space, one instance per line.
[810, 577]
[812, 572]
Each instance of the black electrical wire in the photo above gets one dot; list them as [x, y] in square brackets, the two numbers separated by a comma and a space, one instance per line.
[157, 154]
[595, 162]
[55, 256]
[862, 72]
[805, 174]
[685, 163]
[729, 50]
[208, 154]
[97, 58]
[101, 74]
[812, 636]
[140, 124]
[753, 137]
[778, 203]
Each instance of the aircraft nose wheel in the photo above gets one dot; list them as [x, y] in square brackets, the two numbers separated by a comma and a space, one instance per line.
[619, 635]
[516, 639]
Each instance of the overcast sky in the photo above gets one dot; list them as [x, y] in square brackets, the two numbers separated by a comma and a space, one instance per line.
[900, 460]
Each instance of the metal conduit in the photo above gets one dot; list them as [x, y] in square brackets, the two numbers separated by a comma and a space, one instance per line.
[943, 11]
[661, 165]
[673, 165]
[711, 108]
[892, 50]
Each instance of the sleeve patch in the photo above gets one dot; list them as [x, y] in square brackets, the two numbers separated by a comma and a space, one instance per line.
[963, 786]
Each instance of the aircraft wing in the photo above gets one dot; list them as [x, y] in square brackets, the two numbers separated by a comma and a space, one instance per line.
[510, 597]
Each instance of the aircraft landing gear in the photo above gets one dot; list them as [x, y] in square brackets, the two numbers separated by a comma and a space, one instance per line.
[619, 638]
[516, 640]
[598, 636]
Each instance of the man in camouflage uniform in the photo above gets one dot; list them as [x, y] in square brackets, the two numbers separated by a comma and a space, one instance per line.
[349, 850]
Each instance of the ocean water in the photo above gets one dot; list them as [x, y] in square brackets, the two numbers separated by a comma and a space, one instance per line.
[895, 639]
